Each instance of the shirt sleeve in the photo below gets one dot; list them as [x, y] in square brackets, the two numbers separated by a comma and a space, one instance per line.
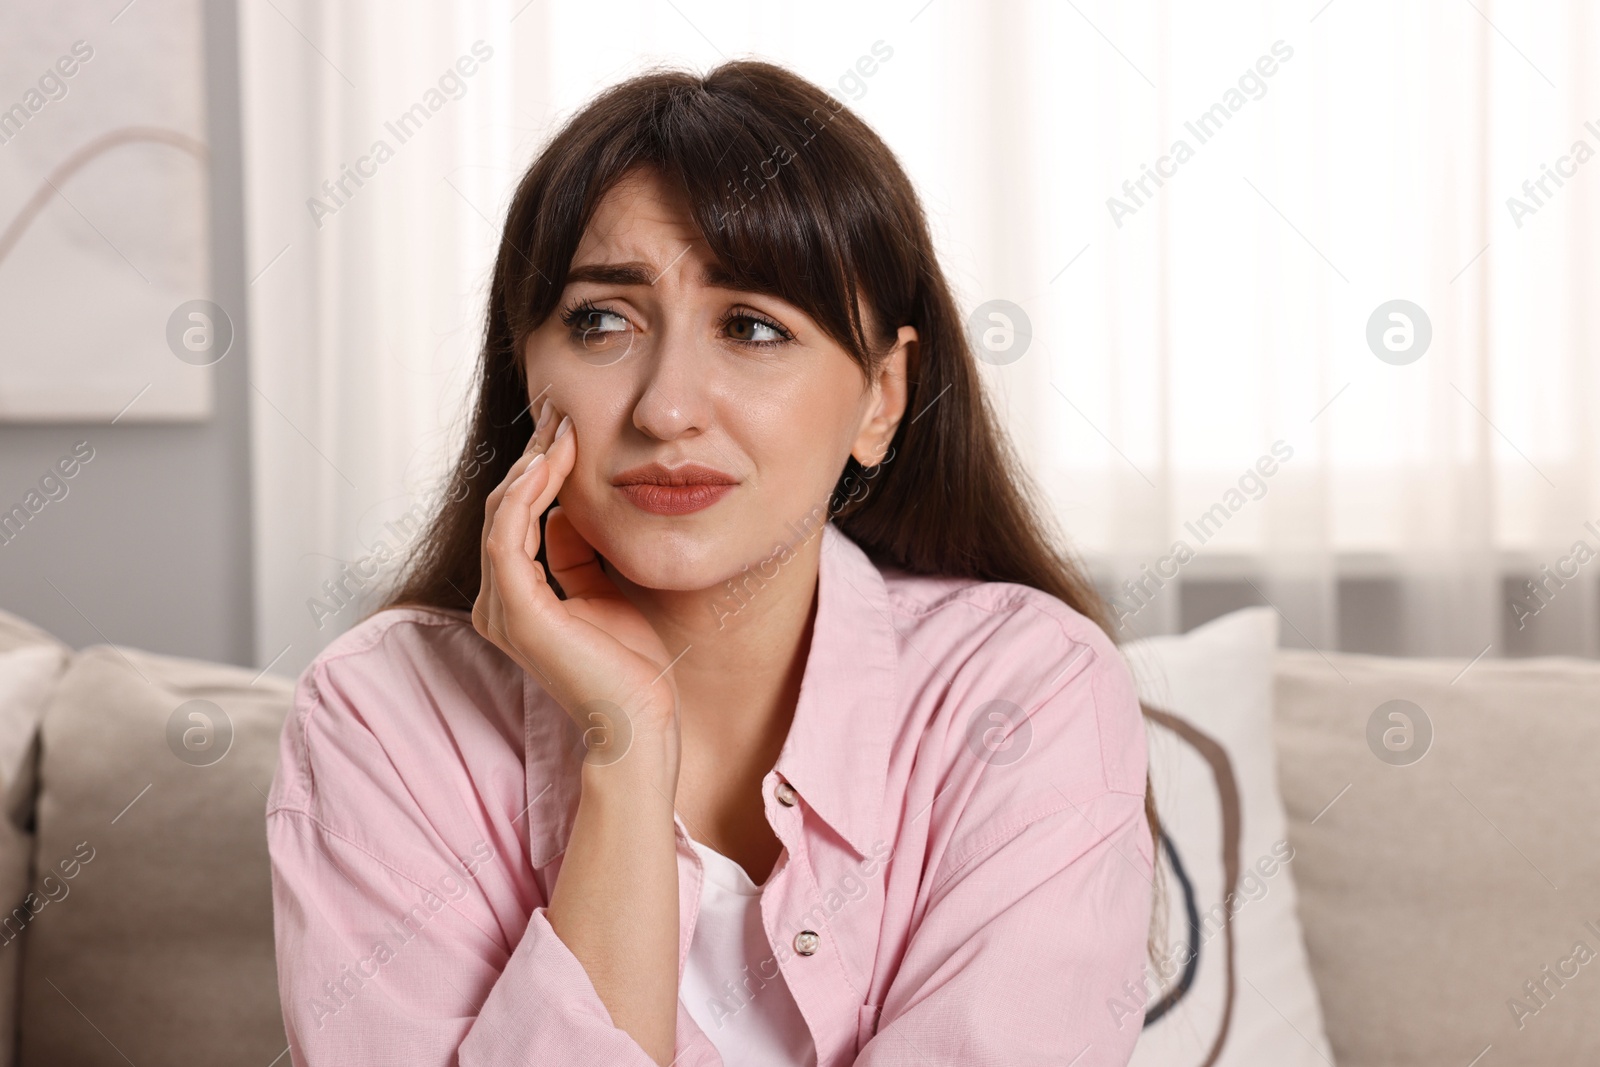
[1024, 954]
[377, 968]
[409, 925]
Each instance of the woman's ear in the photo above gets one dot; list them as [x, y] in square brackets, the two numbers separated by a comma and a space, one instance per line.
[888, 400]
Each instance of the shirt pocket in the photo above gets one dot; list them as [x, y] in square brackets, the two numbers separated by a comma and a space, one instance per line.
[866, 1025]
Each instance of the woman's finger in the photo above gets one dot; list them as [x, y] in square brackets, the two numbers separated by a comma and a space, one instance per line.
[538, 441]
[513, 540]
[516, 578]
[573, 561]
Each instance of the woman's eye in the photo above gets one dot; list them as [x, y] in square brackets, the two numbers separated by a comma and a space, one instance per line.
[598, 320]
[745, 328]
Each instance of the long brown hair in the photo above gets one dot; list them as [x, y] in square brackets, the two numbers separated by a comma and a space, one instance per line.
[799, 198]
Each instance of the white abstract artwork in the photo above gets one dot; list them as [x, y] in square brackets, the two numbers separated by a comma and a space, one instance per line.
[105, 303]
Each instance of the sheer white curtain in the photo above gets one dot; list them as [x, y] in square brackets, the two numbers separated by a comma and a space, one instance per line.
[1335, 157]
[1367, 158]
[366, 291]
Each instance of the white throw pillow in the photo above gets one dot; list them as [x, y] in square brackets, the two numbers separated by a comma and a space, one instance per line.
[1215, 778]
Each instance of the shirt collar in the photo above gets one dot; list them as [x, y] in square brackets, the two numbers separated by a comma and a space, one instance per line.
[837, 753]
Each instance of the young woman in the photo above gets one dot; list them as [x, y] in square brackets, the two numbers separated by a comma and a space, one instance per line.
[737, 708]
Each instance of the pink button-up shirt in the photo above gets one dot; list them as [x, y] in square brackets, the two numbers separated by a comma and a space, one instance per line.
[965, 837]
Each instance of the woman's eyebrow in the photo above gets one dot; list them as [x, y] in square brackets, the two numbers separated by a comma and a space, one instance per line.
[713, 275]
[612, 274]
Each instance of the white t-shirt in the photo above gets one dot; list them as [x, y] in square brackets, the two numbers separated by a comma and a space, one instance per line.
[732, 987]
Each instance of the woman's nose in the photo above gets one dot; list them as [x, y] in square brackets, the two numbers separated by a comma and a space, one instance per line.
[674, 396]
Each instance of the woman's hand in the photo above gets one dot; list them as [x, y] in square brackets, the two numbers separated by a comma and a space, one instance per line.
[615, 900]
[593, 652]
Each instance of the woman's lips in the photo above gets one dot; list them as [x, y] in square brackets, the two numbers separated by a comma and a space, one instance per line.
[680, 490]
[674, 499]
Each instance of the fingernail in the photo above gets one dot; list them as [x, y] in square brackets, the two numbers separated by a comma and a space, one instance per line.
[533, 464]
[544, 415]
[566, 424]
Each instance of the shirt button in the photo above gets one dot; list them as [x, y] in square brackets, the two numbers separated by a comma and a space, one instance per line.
[785, 794]
[805, 942]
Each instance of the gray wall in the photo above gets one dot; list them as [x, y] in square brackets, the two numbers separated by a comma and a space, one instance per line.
[1367, 617]
[151, 545]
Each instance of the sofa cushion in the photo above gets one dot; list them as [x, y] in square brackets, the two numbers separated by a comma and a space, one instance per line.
[1250, 1000]
[1441, 876]
[154, 942]
[30, 663]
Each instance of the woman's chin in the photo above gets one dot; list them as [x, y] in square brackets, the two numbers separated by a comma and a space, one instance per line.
[694, 552]
[675, 562]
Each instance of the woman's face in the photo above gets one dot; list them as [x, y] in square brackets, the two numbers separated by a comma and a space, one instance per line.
[671, 377]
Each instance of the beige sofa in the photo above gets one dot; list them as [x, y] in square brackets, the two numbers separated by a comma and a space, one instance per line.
[1431, 896]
